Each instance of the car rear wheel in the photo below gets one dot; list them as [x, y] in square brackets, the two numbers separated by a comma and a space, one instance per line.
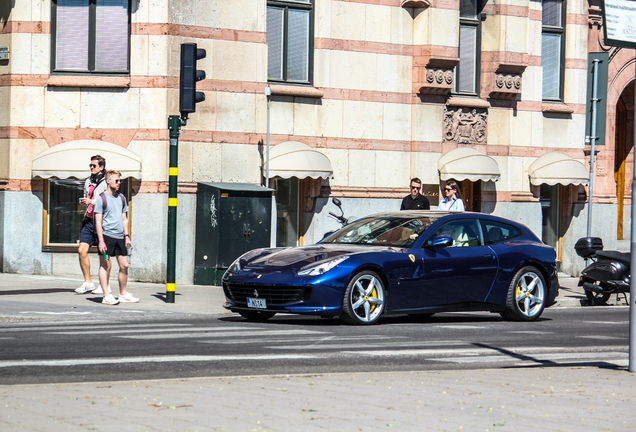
[256, 315]
[526, 296]
[363, 301]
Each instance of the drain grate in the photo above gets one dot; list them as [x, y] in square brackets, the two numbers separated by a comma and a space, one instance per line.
[36, 291]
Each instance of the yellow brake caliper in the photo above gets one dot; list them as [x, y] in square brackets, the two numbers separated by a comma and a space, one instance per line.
[374, 293]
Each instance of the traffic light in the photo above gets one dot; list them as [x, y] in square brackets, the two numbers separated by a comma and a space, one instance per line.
[188, 94]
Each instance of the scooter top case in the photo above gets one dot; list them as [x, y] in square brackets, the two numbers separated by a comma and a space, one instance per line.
[588, 246]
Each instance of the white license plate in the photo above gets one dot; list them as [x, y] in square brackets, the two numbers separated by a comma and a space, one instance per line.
[256, 303]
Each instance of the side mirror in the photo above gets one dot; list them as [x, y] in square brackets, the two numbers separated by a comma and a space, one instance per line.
[442, 242]
[336, 201]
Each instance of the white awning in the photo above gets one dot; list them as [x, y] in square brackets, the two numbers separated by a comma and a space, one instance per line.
[555, 167]
[71, 159]
[465, 163]
[296, 159]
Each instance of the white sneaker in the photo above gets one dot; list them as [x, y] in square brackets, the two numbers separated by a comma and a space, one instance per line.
[99, 290]
[86, 287]
[110, 300]
[128, 298]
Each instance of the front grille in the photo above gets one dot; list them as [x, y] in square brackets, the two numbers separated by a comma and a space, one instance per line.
[275, 295]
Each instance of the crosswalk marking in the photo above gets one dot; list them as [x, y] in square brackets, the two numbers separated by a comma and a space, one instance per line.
[602, 337]
[609, 322]
[460, 327]
[530, 332]
[89, 327]
[148, 359]
[40, 323]
[366, 345]
[120, 330]
[541, 358]
[223, 334]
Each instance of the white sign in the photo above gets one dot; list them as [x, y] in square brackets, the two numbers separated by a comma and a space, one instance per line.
[620, 21]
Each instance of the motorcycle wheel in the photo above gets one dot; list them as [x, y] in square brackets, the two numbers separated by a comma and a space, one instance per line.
[597, 299]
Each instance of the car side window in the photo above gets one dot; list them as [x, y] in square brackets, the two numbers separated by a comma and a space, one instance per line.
[496, 232]
[464, 232]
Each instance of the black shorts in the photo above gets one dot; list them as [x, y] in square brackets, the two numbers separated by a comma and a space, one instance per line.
[115, 247]
[87, 233]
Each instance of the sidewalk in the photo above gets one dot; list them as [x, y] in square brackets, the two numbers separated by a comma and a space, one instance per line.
[507, 400]
[55, 296]
[39, 296]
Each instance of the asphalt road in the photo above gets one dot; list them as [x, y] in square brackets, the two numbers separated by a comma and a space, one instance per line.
[121, 348]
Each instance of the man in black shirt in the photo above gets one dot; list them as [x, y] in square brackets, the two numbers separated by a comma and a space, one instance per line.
[415, 201]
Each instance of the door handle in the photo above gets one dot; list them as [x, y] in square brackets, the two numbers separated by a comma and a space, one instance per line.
[489, 256]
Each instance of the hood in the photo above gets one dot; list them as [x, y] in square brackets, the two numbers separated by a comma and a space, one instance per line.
[297, 258]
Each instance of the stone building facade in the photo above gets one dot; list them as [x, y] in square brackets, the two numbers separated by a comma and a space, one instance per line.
[614, 166]
[380, 89]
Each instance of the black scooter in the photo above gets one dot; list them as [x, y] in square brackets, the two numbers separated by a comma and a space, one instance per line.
[609, 272]
[342, 219]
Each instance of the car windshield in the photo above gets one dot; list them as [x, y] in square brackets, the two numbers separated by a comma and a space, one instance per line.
[382, 231]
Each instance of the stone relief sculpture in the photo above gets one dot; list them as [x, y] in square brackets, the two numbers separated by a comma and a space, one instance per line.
[465, 126]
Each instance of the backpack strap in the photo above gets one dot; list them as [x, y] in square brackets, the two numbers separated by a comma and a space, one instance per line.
[105, 201]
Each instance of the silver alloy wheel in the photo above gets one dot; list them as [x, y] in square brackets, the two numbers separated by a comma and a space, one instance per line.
[529, 294]
[367, 298]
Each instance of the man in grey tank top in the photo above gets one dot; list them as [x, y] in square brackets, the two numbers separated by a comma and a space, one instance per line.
[111, 224]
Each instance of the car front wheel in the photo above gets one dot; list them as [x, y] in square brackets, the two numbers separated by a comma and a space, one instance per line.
[526, 296]
[363, 301]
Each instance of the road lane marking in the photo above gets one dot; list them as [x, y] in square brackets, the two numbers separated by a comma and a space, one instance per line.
[158, 359]
[296, 340]
[222, 334]
[366, 345]
[56, 313]
[602, 337]
[85, 327]
[459, 327]
[609, 322]
[151, 330]
[531, 332]
[6, 325]
[540, 358]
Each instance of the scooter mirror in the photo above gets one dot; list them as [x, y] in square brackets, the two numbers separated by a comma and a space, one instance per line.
[336, 201]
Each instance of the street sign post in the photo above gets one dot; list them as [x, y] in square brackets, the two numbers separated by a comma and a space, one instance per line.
[619, 29]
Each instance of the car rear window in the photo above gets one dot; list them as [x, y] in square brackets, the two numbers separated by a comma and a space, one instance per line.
[496, 232]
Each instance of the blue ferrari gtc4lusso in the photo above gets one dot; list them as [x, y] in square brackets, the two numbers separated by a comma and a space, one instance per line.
[408, 262]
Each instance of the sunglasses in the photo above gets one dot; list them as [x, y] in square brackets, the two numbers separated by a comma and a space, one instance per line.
[117, 181]
[416, 187]
[448, 189]
[93, 165]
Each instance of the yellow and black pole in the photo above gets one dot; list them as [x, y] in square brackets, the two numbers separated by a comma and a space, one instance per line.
[174, 125]
[188, 98]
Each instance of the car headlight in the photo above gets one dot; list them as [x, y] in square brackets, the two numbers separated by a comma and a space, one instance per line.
[322, 268]
[233, 269]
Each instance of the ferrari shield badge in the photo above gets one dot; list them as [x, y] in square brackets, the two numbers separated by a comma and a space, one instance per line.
[412, 257]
